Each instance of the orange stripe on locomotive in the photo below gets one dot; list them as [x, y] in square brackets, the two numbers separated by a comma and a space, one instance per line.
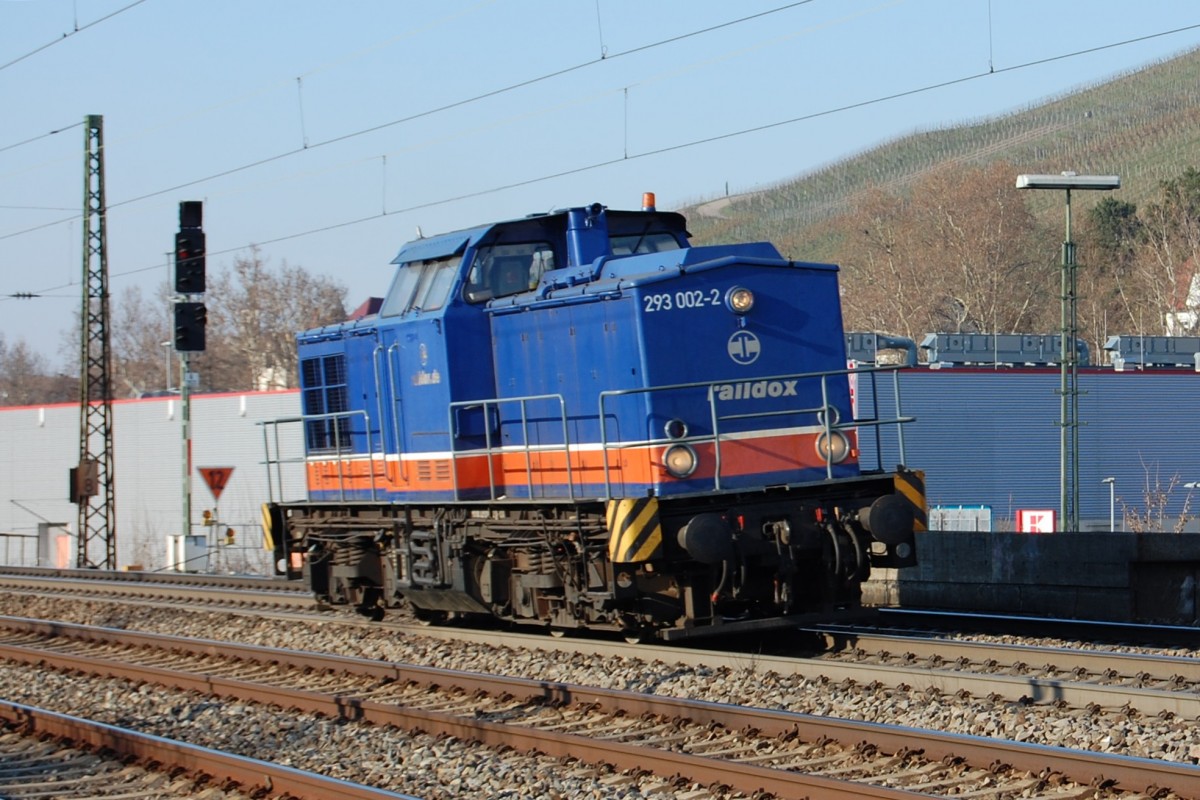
[628, 470]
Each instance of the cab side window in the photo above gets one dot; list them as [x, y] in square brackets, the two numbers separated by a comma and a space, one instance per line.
[507, 269]
[633, 245]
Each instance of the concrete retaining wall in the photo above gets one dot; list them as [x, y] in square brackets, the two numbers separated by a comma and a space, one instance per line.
[1104, 576]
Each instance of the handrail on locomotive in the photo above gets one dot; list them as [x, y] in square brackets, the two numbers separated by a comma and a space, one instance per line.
[342, 453]
[494, 404]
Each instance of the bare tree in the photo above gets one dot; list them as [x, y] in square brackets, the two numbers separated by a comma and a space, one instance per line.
[141, 360]
[26, 380]
[1152, 516]
[986, 269]
[882, 285]
[960, 253]
[254, 313]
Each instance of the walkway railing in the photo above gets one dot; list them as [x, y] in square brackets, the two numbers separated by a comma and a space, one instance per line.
[825, 414]
[491, 448]
[341, 452]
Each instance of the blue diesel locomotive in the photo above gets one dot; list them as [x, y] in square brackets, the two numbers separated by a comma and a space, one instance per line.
[578, 420]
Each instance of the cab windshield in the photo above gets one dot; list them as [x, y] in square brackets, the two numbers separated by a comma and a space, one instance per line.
[420, 286]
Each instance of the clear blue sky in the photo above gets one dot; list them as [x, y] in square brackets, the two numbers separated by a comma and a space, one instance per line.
[319, 91]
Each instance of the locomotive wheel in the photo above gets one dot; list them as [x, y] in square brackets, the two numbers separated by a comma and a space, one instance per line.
[373, 613]
[638, 635]
[427, 617]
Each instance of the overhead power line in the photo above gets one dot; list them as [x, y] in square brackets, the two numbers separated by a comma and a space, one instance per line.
[306, 146]
[648, 154]
[576, 170]
[69, 34]
[38, 138]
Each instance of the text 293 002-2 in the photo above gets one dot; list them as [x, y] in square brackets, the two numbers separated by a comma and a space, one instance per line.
[695, 298]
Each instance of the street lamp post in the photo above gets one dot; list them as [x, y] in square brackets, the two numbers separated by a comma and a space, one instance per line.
[1068, 357]
[1112, 503]
[167, 356]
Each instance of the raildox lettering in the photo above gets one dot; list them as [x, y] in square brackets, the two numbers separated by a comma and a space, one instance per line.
[754, 390]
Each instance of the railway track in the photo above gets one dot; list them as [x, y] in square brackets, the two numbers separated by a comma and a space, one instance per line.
[930, 622]
[168, 577]
[48, 754]
[749, 750]
[265, 592]
[210, 590]
[1083, 679]
[1097, 679]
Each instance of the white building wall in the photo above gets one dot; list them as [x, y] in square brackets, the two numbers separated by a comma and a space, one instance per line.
[39, 445]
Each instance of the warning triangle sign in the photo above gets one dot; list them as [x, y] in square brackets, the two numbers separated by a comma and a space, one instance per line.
[216, 478]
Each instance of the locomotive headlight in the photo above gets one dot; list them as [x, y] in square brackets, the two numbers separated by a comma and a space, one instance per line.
[675, 429]
[740, 300]
[833, 447]
[680, 460]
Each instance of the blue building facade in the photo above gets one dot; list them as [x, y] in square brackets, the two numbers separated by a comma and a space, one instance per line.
[991, 436]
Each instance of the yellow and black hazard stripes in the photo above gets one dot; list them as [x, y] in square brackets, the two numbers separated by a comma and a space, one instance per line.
[910, 484]
[634, 530]
[271, 519]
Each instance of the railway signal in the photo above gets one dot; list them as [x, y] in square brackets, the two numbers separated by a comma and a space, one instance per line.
[189, 249]
[190, 319]
[189, 261]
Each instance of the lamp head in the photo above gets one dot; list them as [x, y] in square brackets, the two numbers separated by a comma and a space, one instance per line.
[1069, 180]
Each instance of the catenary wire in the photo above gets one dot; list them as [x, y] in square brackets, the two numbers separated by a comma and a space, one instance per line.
[657, 151]
[39, 137]
[69, 34]
[306, 146]
[318, 69]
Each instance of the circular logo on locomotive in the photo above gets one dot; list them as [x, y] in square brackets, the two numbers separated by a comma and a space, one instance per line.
[744, 347]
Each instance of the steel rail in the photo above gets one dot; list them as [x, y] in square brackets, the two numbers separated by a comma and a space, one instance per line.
[266, 584]
[162, 591]
[1085, 767]
[1077, 693]
[1016, 688]
[699, 769]
[1159, 667]
[1085, 629]
[262, 776]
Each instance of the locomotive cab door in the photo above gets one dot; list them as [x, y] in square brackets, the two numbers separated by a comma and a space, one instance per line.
[422, 321]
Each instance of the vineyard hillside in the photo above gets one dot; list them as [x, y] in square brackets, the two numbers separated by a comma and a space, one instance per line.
[1143, 126]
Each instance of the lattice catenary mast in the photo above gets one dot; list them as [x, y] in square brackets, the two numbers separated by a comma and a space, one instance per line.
[93, 480]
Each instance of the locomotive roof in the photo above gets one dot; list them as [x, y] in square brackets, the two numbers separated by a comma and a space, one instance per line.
[448, 244]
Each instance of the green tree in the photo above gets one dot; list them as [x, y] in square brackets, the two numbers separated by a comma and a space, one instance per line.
[1116, 229]
[1108, 245]
[1166, 265]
